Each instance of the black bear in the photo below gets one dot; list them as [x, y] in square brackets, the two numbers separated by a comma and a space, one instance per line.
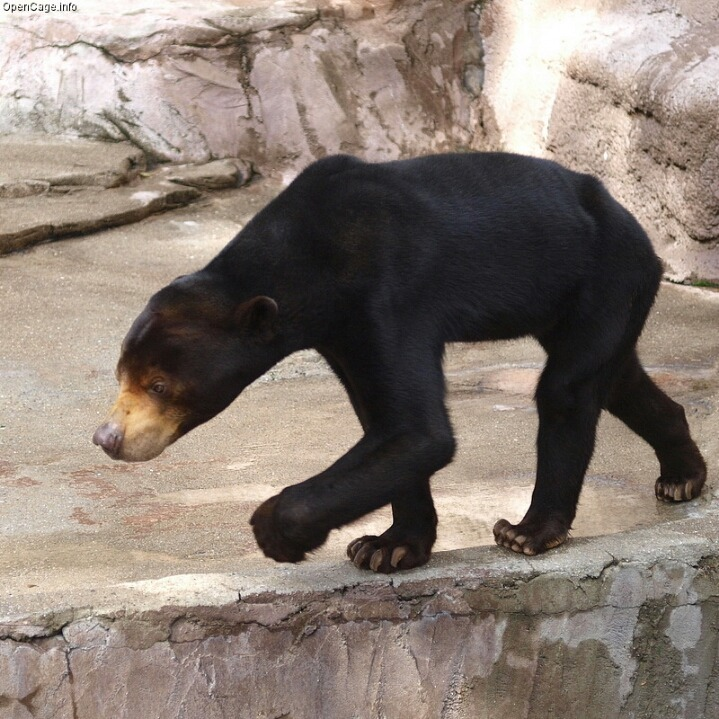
[377, 266]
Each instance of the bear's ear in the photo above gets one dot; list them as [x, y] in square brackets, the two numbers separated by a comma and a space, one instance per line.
[257, 317]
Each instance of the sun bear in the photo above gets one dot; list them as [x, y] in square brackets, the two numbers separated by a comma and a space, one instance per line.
[377, 266]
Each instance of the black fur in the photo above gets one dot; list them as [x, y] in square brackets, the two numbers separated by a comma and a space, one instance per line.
[377, 266]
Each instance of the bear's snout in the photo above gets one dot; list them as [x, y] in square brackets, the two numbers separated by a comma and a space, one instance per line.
[109, 437]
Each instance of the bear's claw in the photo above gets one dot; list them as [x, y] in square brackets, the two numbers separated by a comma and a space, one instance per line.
[679, 490]
[385, 556]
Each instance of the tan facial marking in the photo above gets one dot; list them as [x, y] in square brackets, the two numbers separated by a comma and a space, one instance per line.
[145, 427]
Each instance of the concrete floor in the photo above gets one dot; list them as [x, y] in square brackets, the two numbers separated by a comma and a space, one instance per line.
[74, 523]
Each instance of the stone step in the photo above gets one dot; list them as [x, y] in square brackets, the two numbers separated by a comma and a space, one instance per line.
[32, 164]
[54, 187]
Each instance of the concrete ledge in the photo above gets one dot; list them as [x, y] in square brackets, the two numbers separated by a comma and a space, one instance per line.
[621, 626]
[54, 187]
[47, 162]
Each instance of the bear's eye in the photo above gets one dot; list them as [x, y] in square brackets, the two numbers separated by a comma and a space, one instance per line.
[158, 388]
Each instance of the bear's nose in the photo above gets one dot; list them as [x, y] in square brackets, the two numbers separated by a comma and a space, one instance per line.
[109, 437]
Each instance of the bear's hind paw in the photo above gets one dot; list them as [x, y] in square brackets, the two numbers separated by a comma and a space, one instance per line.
[679, 490]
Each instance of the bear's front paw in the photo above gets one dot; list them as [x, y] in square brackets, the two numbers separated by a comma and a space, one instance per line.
[269, 536]
[387, 554]
[281, 534]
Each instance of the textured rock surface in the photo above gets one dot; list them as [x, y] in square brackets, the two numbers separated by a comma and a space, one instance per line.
[625, 90]
[31, 221]
[599, 631]
[278, 83]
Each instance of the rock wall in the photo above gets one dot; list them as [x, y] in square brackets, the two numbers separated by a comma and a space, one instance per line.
[608, 630]
[625, 90]
[276, 83]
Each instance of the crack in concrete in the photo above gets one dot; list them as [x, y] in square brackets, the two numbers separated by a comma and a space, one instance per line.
[71, 681]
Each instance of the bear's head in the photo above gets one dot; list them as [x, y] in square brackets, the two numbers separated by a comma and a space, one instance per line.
[187, 356]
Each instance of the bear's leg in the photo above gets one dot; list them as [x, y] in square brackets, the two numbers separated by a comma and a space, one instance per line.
[661, 422]
[568, 406]
[408, 542]
[399, 399]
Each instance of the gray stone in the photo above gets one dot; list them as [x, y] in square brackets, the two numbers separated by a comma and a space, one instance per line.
[34, 681]
[23, 188]
[216, 175]
[624, 90]
[57, 187]
[30, 221]
[39, 161]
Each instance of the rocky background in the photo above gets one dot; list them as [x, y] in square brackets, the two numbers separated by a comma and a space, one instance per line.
[626, 89]
[278, 83]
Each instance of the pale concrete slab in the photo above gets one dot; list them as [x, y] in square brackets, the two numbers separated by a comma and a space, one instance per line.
[68, 161]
